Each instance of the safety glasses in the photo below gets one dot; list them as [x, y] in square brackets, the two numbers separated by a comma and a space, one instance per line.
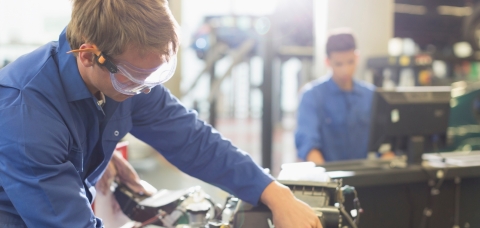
[130, 80]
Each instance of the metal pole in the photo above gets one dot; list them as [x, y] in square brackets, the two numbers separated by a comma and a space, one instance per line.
[174, 83]
[212, 118]
[267, 91]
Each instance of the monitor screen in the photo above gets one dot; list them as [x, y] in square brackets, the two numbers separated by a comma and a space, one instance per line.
[402, 114]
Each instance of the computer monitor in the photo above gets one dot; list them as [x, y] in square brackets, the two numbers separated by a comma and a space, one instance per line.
[409, 119]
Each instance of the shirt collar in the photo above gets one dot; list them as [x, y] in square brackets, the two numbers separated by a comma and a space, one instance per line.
[75, 88]
[334, 88]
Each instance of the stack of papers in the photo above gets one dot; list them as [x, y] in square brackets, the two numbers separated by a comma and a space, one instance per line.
[462, 159]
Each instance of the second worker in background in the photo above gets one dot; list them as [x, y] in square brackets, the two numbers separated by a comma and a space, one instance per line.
[334, 112]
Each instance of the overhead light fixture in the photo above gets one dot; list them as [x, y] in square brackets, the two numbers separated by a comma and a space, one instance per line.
[201, 43]
[410, 9]
[454, 11]
[462, 49]
[409, 47]
[395, 46]
[440, 69]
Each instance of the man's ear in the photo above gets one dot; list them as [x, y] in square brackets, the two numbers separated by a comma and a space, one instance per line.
[86, 58]
[327, 62]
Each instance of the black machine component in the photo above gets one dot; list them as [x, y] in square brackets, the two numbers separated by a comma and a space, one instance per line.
[168, 209]
[142, 208]
[326, 199]
[413, 120]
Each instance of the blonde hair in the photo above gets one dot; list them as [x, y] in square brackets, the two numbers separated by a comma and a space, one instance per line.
[112, 25]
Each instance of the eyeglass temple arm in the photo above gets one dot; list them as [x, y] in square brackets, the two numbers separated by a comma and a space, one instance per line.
[101, 59]
[94, 50]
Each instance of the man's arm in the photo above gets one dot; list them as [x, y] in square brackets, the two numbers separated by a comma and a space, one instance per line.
[35, 173]
[307, 135]
[194, 146]
[200, 151]
[286, 209]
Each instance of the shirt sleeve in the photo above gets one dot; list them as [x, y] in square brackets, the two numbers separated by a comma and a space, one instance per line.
[307, 135]
[195, 147]
[35, 173]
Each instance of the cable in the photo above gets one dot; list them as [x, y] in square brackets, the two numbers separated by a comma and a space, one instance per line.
[456, 219]
[184, 214]
[159, 217]
[356, 202]
[149, 221]
[435, 187]
[357, 206]
[347, 216]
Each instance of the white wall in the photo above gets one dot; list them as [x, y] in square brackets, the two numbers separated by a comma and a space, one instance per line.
[27, 24]
[370, 20]
[32, 21]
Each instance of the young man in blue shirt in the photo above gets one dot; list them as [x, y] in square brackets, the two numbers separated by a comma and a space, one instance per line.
[334, 111]
[64, 107]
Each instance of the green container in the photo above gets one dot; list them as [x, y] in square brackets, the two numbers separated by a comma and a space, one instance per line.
[464, 129]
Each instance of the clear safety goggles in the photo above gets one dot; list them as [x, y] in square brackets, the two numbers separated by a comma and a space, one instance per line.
[130, 80]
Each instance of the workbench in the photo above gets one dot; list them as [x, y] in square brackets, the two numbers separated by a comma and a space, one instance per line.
[394, 194]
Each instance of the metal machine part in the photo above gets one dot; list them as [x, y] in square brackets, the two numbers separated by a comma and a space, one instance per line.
[229, 210]
[190, 208]
[261, 216]
[314, 194]
[198, 214]
[326, 199]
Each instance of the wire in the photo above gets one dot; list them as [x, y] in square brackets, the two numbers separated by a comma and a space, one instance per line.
[435, 188]
[358, 207]
[149, 221]
[347, 216]
[356, 202]
[158, 217]
[457, 202]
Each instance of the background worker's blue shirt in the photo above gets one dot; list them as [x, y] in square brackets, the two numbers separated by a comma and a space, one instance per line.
[55, 141]
[334, 121]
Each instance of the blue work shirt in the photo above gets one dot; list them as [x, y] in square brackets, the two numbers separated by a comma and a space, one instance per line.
[56, 141]
[334, 121]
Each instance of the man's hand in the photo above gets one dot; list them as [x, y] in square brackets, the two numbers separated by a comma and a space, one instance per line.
[315, 156]
[388, 155]
[287, 210]
[119, 169]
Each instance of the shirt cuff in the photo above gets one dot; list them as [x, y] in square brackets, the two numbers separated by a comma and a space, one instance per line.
[253, 196]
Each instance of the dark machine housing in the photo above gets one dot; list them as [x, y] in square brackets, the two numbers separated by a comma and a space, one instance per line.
[413, 120]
